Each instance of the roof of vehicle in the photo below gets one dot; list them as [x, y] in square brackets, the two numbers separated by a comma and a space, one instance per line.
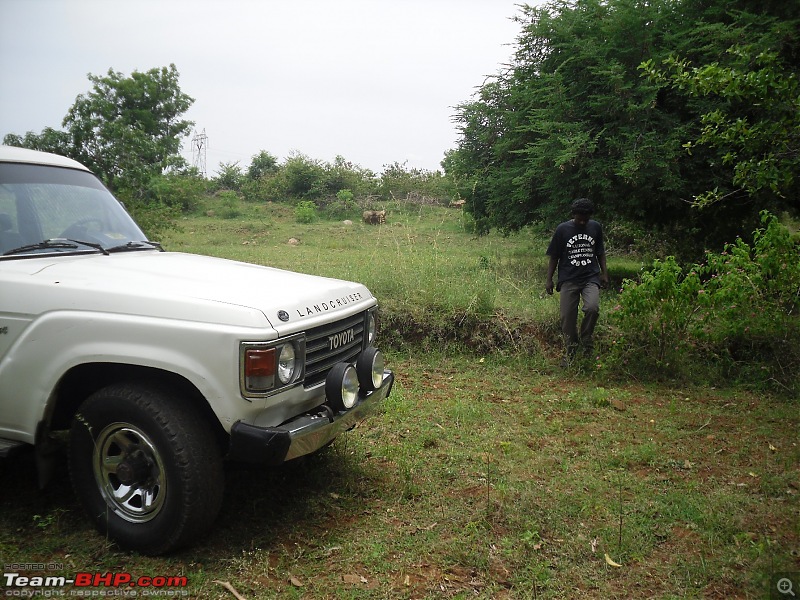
[24, 155]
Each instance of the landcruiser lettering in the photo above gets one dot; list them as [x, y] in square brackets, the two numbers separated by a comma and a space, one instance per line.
[162, 365]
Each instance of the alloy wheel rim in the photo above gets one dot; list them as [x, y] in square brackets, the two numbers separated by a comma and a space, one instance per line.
[129, 472]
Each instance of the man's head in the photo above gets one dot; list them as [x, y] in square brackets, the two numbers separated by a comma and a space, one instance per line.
[581, 210]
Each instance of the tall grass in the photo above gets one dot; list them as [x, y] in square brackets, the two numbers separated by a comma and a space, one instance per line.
[422, 255]
[433, 278]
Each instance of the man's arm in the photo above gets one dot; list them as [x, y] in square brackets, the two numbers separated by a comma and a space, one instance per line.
[551, 269]
[603, 270]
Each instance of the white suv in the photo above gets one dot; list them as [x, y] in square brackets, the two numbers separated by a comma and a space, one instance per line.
[162, 364]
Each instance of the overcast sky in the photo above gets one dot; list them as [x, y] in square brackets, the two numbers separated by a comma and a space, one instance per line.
[375, 81]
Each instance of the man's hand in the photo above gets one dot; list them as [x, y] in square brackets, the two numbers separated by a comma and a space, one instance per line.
[549, 287]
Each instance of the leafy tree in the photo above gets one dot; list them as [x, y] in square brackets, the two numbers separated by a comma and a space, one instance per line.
[345, 175]
[761, 145]
[398, 182]
[261, 165]
[50, 140]
[229, 177]
[572, 116]
[128, 129]
[303, 177]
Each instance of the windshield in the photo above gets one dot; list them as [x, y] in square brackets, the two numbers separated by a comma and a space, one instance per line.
[41, 207]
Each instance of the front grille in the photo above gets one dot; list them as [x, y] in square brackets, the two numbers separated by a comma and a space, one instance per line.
[329, 344]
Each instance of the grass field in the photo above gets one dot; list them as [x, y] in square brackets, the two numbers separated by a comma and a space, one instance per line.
[421, 257]
[485, 475]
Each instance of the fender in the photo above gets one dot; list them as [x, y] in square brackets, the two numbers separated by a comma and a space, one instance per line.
[58, 341]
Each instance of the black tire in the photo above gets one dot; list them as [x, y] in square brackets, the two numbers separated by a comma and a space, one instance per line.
[146, 467]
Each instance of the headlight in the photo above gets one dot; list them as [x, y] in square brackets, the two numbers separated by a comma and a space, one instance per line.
[286, 364]
[372, 328]
[268, 367]
[341, 386]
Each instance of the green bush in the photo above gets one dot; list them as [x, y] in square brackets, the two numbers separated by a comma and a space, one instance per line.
[155, 219]
[230, 204]
[733, 317]
[177, 190]
[305, 212]
[343, 207]
[157, 206]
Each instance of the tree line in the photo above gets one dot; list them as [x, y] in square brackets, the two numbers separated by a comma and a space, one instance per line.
[680, 119]
[128, 130]
[675, 116]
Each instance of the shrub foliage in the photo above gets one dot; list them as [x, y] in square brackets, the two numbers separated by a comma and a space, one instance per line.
[736, 316]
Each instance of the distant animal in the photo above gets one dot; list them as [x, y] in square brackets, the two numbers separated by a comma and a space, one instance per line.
[374, 217]
[458, 203]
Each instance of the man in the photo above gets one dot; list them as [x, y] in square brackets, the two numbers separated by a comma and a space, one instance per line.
[578, 252]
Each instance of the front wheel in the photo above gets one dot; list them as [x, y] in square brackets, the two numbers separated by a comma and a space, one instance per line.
[146, 467]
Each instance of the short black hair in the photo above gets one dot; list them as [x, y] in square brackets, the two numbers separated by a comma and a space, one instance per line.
[582, 206]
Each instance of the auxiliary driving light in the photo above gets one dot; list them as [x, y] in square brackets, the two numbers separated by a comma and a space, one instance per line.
[341, 386]
[370, 369]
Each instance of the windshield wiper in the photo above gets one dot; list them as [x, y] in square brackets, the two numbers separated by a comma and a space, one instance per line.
[136, 246]
[54, 244]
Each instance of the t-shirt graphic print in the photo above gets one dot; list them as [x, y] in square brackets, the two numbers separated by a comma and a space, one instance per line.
[577, 249]
[580, 250]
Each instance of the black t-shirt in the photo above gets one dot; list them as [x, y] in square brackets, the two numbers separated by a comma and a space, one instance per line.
[577, 250]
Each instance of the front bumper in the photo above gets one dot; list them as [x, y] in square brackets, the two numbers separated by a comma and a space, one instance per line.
[303, 434]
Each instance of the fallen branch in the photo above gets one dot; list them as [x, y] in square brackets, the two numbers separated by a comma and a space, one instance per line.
[230, 588]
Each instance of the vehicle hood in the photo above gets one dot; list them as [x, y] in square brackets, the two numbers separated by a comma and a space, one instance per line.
[183, 286]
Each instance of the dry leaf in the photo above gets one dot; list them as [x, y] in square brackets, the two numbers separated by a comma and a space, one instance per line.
[594, 545]
[610, 562]
[407, 581]
[773, 448]
[353, 579]
[295, 581]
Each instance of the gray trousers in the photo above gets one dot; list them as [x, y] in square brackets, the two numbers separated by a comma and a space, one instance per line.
[571, 294]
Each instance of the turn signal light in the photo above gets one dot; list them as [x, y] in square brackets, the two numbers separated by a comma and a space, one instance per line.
[259, 368]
